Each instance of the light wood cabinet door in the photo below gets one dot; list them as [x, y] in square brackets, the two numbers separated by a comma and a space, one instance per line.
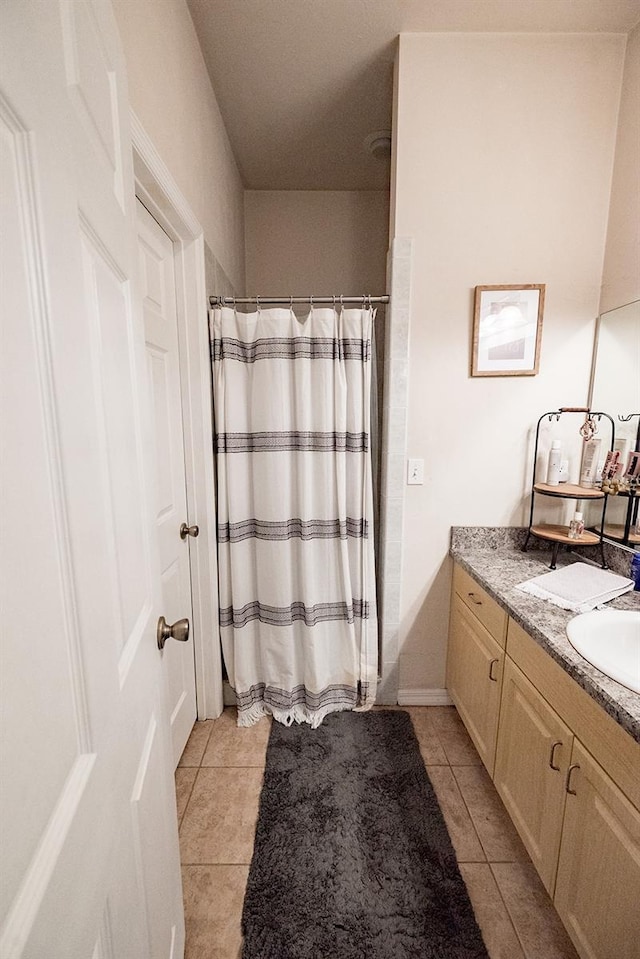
[474, 678]
[598, 885]
[532, 758]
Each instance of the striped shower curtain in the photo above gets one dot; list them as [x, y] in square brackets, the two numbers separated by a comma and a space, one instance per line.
[298, 613]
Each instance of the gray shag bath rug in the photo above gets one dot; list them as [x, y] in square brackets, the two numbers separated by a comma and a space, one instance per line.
[352, 859]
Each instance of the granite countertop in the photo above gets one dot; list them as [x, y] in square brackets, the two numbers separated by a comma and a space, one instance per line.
[494, 557]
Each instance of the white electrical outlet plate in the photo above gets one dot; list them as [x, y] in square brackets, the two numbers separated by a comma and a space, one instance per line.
[415, 472]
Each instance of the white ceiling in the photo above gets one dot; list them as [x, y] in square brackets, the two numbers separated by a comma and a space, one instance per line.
[301, 83]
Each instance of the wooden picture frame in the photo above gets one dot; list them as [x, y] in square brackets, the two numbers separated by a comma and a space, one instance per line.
[507, 330]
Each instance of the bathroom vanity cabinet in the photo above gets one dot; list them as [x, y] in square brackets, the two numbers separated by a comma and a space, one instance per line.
[568, 774]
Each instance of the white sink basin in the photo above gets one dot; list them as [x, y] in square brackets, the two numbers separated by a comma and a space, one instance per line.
[609, 639]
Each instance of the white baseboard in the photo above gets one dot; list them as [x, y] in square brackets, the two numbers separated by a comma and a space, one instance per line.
[424, 697]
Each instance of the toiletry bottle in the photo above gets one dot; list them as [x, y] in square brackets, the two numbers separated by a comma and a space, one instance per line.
[621, 445]
[589, 468]
[553, 468]
[576, 526]
[634, 572]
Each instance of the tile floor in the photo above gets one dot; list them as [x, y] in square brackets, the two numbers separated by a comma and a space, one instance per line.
[218, 786]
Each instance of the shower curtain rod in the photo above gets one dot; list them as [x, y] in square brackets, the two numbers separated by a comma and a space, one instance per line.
[290, 300]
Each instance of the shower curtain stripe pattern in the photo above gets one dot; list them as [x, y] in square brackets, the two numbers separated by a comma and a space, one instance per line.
[287, 699]
[286, 615]
[302, 347]
[298, 616]
[291, 440]
[292, 528]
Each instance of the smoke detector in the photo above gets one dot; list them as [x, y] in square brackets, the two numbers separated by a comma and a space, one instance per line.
[378, 144]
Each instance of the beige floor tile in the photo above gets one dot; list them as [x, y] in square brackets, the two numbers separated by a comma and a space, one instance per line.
[213, 897]
[453, 737]
[426, 758]
[233, 745]
[497, 833]
[463, 836]
[536, 921]
[196, 744]
[220, 820]
[491, 913]
[185, 778]
[430, 746]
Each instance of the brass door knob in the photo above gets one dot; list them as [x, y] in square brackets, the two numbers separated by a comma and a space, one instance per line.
[179, 631]
[188, 531]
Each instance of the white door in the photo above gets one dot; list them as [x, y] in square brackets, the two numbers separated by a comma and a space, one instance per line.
[158, 288]
[90, 857]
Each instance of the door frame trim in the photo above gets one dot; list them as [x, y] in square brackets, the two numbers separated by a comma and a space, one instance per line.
[159, 193]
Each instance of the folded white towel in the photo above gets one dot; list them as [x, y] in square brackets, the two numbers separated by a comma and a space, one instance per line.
[578, 587]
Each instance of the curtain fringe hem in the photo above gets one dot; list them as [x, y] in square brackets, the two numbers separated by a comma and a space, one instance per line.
[297, 714]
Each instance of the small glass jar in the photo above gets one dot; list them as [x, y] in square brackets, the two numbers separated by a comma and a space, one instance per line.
[576, 526]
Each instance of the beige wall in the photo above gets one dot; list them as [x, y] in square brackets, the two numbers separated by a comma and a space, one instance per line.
[170, 91]
[621, 277]
[302, 242]
[505, 149]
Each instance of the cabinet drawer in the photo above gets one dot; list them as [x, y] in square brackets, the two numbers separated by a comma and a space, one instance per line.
[492, 616]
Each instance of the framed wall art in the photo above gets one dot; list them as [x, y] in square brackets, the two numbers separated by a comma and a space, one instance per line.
[507, 330]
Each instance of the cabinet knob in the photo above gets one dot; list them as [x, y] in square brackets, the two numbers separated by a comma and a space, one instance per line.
[494, 679]
[472, 597]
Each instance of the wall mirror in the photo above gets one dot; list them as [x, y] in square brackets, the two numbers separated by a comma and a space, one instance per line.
[615, 388]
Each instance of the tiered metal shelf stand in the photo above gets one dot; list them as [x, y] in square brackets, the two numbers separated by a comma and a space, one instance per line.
[558, 535]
